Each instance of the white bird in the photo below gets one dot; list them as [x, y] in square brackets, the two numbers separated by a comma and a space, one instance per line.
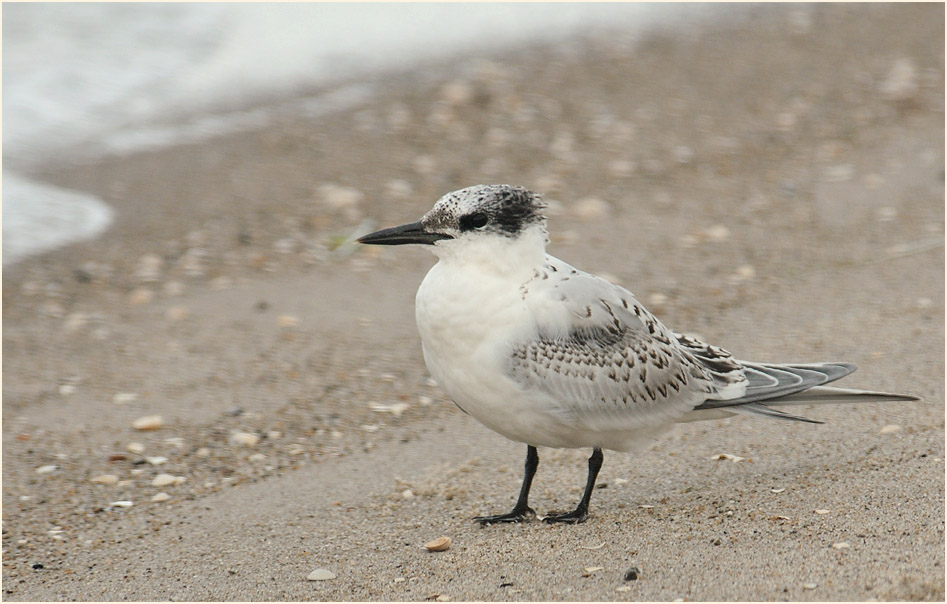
[551, 356]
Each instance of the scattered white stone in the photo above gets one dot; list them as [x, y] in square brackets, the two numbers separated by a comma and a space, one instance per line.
[176, 313]
[105, 479]
[457, 92]
[900, 84]
[645, 506]
[162, 480]
[202, 452]
[838, 173]
[717, 233]
[777, 491]
[148, 422]
[621, 168]
[407, 493]
[886, 214]
[425, 401]
[173, 288]
[746, 272]
[399, 189]
[623, 588]
[841, 545]
[339, 197]
[244, 439]
[336, 434]
[287, 321]
[46, 469]
[823, 512]
[809, 585]
[727, 456]
[149, 268]
[122, 398]
[141, 295]
[75, 321]
[121, 504]
[657, 299]
[256, 457]
[175, 441]
[321, 574]
[424, 165]
[890, 428]
[67, 389]
[137, 448]
[161, 497]
[396, 409]
[157, 460]
[620, 481]
[591, 208]
[370, 427]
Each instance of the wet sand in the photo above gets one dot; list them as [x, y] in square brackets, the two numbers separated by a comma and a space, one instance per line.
[774, 184]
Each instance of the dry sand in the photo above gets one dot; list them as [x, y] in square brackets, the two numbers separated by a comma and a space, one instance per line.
[774, 184]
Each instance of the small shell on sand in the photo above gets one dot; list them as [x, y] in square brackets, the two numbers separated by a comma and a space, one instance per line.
[321, 574]
[105, 479]
[162, 480]
[122, 398]
[441, 544]
[148, 422]
[244, 439]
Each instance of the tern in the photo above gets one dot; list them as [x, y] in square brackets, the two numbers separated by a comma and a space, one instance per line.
[551, 356]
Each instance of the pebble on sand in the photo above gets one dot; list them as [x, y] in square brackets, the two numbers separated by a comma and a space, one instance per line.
[161, 497]
[722, 456]
[890, 428]
[441, 544]
[121, 504]
[245, 439]
[321, 574]
[141, 295]
[105, 479]
[148, 422]
[591, 208]
[46, 469]
[900, 84]
[124, 397]
[163, 480]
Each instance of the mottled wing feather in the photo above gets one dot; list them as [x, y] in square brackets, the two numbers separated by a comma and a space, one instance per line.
[618, 366]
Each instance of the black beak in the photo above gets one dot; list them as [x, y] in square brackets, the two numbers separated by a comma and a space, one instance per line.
[400, 235]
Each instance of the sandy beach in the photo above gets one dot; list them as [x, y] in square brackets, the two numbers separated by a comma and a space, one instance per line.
[773, 183]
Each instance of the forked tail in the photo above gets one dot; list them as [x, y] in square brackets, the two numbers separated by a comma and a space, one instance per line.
[791, 385]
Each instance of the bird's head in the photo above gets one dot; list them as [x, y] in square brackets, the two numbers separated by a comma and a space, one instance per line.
[482, 215]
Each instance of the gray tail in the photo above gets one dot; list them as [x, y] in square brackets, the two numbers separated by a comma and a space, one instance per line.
[794, 385]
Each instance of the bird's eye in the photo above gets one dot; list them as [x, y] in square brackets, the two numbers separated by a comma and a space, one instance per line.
[477, 220]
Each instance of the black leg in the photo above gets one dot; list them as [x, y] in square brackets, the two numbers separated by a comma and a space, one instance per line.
[521, 511]
[580, 513]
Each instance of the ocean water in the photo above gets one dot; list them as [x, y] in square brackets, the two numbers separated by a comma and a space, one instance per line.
[82, 81]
